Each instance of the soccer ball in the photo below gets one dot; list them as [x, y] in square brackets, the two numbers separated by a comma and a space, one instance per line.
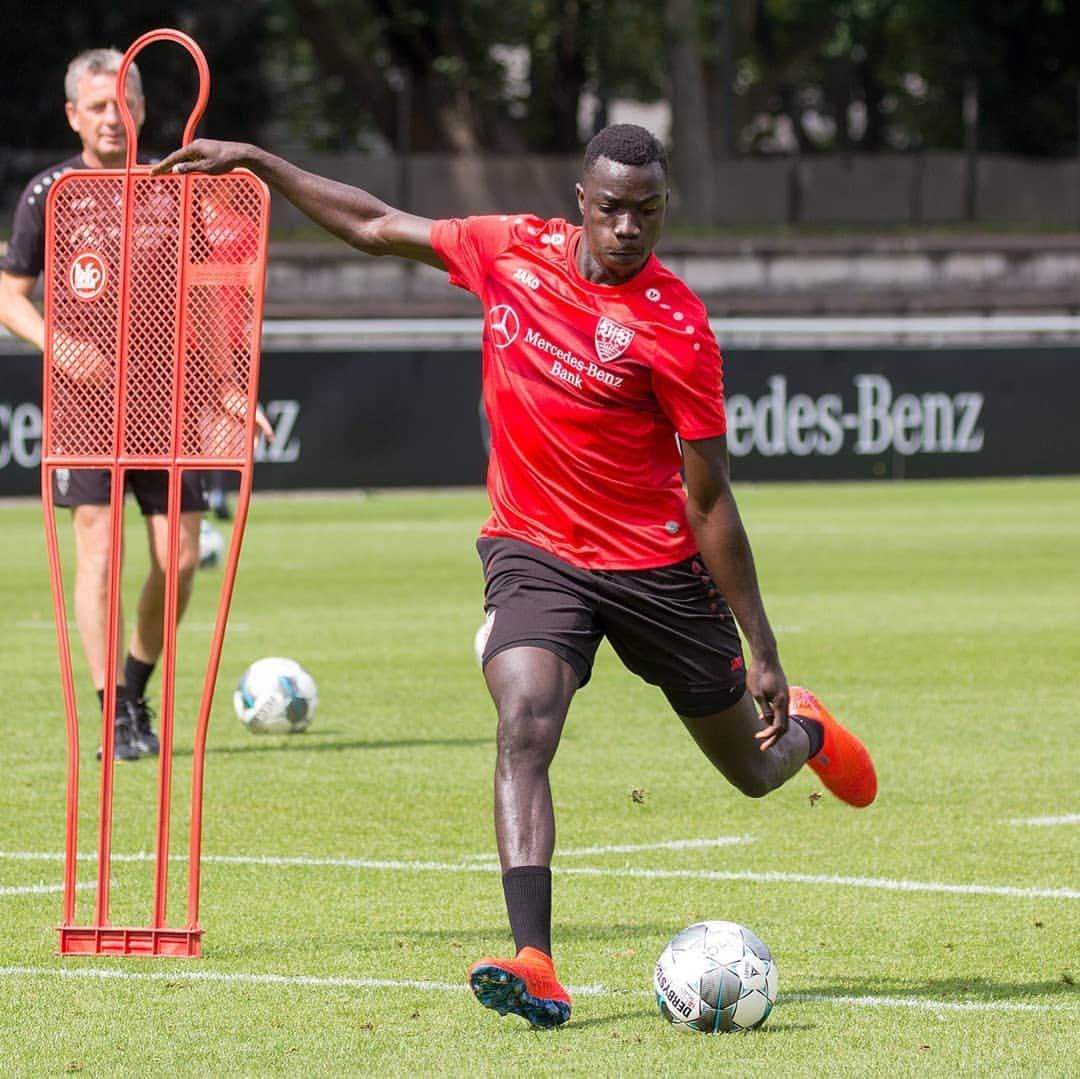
[275, 696]
[211, 545]
[715, 977]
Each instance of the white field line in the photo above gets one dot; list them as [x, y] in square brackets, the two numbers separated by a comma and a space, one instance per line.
[1046, 822]
[42, 889]
[881, 883]
[767, 877]
[174, 975]
[1002, 1005]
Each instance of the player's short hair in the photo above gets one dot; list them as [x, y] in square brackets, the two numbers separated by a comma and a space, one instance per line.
[627, 144]
[99, 62]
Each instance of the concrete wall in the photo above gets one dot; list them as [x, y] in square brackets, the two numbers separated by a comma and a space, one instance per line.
[755, 276]
[829, 189]
[875, 268]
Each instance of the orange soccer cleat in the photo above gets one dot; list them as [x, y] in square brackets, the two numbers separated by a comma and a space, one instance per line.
[843, 763]
[525, 986]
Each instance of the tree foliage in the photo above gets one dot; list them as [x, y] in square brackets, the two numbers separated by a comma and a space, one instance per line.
[889, 74]
[464, 75]
[41, 37]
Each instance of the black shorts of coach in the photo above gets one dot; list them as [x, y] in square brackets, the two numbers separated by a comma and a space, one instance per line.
[668, 625]
[91, 487]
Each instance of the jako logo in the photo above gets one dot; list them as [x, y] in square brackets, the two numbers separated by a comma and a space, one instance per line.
[87, 276]
[530, 280]
[612, 340]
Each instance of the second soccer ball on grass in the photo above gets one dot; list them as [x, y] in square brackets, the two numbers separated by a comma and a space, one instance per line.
[275, 696]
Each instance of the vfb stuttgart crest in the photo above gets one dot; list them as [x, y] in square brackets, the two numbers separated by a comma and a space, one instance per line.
[612, 340]
[87, 275]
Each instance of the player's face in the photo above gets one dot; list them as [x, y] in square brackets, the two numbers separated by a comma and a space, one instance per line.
[95, 118]
[622, 212]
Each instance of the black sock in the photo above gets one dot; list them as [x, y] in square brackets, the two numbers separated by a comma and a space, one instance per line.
[814, 731]
[121, 695]
[136, 675]
[527, 889]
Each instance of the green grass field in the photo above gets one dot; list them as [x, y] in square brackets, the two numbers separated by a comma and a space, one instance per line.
[348, 877]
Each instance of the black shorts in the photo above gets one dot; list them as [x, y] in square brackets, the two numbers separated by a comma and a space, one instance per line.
[91, 487]
[668, 625]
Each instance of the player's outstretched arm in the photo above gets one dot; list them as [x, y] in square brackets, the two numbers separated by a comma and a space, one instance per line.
[18, 315]
[351, 213]
[78, 360]
[725, 547]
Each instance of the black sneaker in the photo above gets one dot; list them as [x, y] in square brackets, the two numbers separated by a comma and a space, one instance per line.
[125, 745]
[145, 738]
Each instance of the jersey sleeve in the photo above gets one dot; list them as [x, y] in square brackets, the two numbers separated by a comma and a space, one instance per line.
[25, 255]
[469, 245]
[688, 378]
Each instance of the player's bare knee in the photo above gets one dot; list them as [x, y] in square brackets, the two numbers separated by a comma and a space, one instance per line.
[522, 734]
[526, 737]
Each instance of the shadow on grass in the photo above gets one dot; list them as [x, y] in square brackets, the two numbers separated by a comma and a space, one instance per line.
[325, 742]
[945, 990]
[577, 1023]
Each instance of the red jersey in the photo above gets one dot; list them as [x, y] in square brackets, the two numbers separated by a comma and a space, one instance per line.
[586, 387]
[232, 238]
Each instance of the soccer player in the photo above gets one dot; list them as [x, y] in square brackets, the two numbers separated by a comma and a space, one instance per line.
[612, 511]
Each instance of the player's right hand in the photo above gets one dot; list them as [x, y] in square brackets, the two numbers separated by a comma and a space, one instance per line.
[768, 685]
[204, 155]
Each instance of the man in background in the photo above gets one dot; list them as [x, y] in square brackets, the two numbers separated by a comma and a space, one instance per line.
[92, 109]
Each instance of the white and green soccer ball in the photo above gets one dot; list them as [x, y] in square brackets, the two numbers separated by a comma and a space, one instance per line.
[275, 696]
[715, 977]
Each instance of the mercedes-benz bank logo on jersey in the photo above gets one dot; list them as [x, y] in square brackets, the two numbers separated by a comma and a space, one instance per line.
[87, 275]
[504, 325]
[612, 340]
[569, 368]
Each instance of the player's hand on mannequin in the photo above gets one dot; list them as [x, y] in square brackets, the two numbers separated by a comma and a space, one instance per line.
[234, 406]
[768, 686]
[204, 155]
[263, 424]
